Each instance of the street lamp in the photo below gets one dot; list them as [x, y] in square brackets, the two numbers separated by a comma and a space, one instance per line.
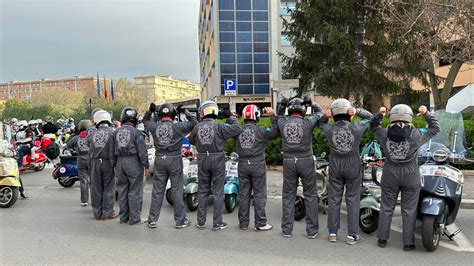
[75, 83]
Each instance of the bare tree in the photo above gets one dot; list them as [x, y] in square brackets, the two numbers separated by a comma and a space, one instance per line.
[430, 31]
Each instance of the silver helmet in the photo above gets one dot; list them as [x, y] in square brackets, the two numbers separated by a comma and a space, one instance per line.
[340, 106]
[401, 112]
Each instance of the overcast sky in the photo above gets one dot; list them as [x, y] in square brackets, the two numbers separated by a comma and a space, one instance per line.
[117, 38]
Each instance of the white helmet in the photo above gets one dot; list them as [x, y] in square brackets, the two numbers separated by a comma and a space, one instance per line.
[14, 120]
[33, 122]
[401, 112]
[340, 106]
[102, 116]
[23, 123]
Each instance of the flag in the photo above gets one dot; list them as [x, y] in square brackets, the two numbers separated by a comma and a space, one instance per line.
[112, 93]
[105, 89]
[98, 85]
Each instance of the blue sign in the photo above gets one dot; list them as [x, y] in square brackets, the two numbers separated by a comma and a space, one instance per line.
[230, 87]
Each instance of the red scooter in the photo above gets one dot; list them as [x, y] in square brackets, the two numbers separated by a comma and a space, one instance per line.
[40, 160]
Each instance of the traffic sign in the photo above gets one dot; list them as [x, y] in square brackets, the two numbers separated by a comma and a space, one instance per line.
[230, 87]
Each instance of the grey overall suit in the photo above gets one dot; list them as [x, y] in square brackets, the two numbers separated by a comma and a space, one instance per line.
[209, 137]
[344, 169]
[168, 139]
[401, 173]
[79, 145]
[132, 159]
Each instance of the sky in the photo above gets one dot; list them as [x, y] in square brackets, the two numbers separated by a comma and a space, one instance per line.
[116, 38]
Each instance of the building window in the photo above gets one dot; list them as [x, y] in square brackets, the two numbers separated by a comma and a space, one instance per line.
[244, 26]
[261, 68]
[287, 7]
[226, 4]
[262, 89]
[228, 68]
[261, 58]
[261, 79]
[260, 4]
[243, 5]
[227, 37]
[244, 37]
[244, 47]
[226, 26]
[260, 37]
[285, 42]
[244, 16]
[260, 16]
[227, 47]
[226, 15]
[260, 47]
[245, 79]
[244, 58]
[245, 89]
[244, 68]
[228, 58]
[260, 26]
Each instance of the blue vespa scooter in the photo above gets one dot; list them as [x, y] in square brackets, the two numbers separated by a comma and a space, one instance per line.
[66, 170]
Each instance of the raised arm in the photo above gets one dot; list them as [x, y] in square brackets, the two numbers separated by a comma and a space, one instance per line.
[231, 128]
[376, 125]
[147, 122]
[433, 125]
[186, 127]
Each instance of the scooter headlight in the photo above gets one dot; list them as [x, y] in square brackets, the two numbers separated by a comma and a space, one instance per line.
[440, 156]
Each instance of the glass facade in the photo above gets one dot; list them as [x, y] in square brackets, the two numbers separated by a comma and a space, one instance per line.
[244, 45]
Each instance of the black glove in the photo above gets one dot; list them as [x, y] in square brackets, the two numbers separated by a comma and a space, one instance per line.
[180, 109]
[227, 113]
[281, 109]
[152, 107]
[307, 101]
[284, 102]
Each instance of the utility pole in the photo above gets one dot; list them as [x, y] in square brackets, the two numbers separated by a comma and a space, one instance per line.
[9, 89]
[75, 83]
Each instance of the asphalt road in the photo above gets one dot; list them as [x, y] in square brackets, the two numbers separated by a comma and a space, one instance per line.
[51, 228]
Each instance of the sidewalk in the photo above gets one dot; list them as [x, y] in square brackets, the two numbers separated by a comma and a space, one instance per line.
[275, 181]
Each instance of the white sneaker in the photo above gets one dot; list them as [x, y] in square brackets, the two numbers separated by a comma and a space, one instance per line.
[312, 236]
[266, 227]
[332, 238]
[84, 204]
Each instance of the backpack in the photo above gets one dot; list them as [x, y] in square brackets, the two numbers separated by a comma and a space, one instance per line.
[52, 151]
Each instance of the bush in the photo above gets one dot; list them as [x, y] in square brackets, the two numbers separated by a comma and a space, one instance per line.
[273, 151]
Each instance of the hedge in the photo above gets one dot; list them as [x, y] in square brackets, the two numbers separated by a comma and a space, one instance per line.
[274, 148]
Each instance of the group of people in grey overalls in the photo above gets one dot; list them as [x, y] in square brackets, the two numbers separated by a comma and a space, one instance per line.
[106, 153]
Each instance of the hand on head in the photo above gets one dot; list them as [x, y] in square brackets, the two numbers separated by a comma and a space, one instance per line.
[383, 110]
[352, 111]
[268, 111]
[422, 110]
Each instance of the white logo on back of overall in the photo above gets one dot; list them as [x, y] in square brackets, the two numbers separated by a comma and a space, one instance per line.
[247, 138]
[398, 150]
[206, 134]
[164, 133]
[82, 144]
[100, 138]
[123, 138]
[343, 140]
[293, 132]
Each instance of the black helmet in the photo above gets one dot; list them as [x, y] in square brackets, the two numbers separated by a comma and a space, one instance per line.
[167, 109]
[296, 106]
[129, 114]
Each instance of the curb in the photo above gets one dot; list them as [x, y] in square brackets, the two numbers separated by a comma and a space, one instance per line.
[467, 204]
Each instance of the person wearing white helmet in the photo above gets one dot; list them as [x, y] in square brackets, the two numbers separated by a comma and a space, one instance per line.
[400, 143]
[102, 163]
[33, 125]
[209, 137]
[40, 124]
[344, 138]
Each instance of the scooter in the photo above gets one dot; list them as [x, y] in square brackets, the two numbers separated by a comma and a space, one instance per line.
[370, 194]
[441, 183]
[66, 171]
[232, 182]
[322, 177]
[190, 186]
[9, 176]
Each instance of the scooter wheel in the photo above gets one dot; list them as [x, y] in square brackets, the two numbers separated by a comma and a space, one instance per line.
[40, 167]
[431, 234]
[192, 201]
[169, 196]
[8, 196]
[66, 183]
[230, 202]
[368, 220]
[300, 208]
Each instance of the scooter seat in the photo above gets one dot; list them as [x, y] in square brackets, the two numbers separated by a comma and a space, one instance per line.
[68, 159]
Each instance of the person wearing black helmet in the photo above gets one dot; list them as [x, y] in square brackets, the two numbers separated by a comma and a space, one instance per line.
[78, 144]
[49, 129]
[344, 138]
[209, 137]
[167, 138]
[132, 161]
[298, 162]
[102, 161]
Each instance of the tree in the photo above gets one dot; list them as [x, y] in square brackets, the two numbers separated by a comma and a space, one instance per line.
[341, 51]
[62, 99]
[431, 32]
[131, 95]
[23, 110]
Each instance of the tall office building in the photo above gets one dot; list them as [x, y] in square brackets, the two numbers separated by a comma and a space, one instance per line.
[239, 40]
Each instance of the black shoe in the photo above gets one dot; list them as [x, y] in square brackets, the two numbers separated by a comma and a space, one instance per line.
[23, 195]
[408, 247]
[382, 243]
[218, 227]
